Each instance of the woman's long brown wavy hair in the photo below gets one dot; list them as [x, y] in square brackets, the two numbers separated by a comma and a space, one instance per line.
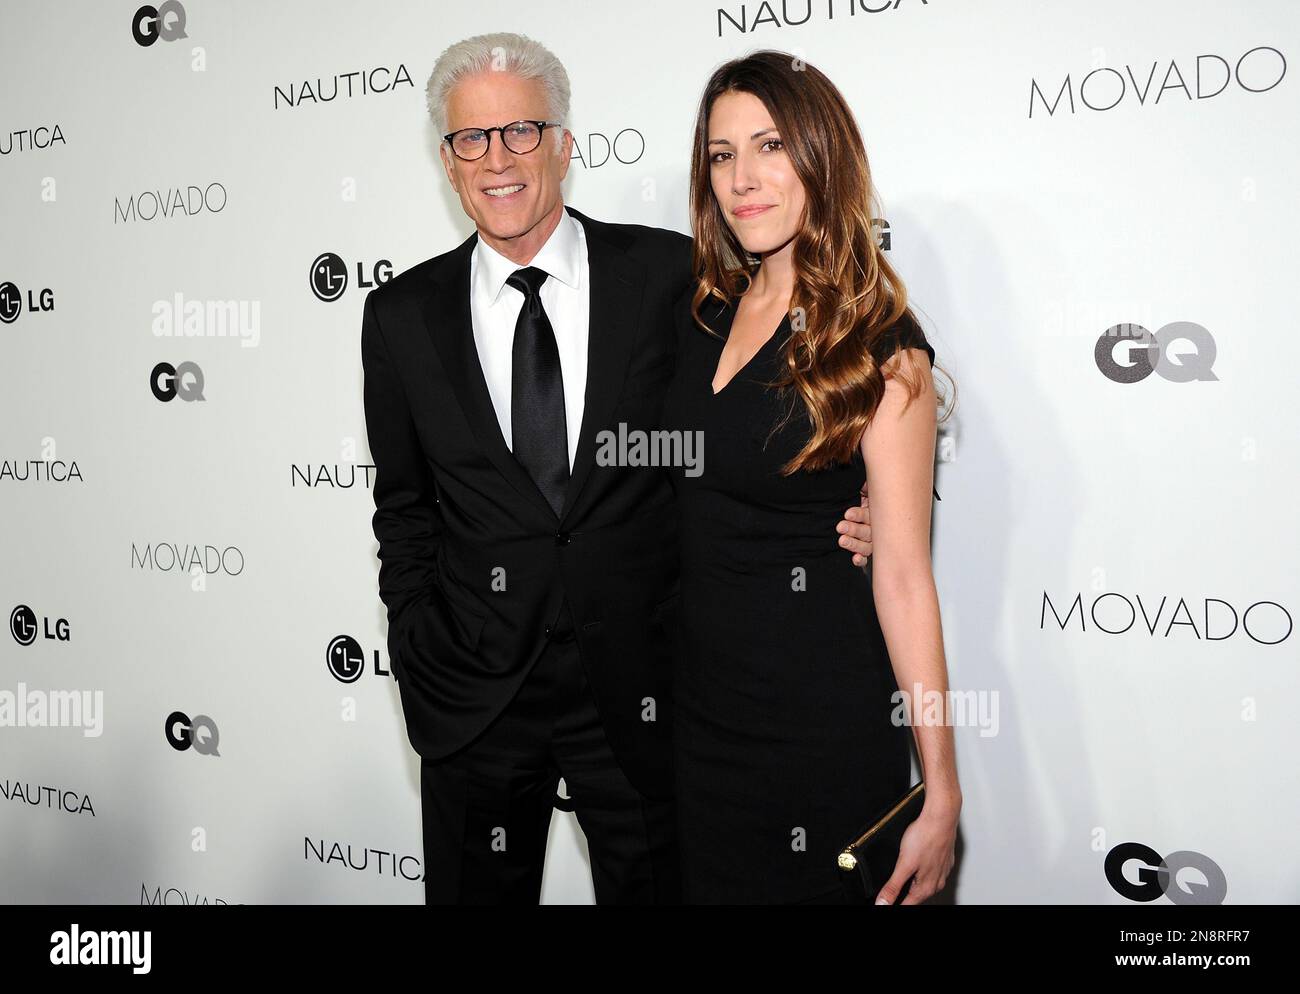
[845, 291]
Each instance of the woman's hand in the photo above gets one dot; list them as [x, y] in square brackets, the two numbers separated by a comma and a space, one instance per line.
[926, 852]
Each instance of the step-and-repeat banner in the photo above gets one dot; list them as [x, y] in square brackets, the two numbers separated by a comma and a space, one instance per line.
[1093, 206]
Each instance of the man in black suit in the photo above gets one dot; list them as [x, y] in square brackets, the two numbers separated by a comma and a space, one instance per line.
[532, 594]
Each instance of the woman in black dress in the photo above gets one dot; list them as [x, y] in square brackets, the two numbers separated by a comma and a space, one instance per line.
[785, 731]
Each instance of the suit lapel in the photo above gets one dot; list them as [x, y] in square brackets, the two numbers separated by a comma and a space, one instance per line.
[449, 322]
[616, 284]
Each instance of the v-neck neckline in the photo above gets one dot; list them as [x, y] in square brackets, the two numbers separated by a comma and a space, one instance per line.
[731, 312]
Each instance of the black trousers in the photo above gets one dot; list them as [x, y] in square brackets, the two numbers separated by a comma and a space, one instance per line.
[486, 810]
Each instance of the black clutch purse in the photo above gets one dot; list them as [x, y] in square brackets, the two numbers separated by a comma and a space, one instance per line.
[868, 862]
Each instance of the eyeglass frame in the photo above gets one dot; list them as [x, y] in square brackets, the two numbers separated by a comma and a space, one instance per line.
[541, 133]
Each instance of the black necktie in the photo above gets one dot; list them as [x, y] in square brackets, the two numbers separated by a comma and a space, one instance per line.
[539, 433]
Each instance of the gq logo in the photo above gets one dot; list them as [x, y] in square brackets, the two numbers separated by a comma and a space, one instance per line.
[1154, 876]
[184, 381]
[200, 732]
[151, 23]
[11, 302]
[346, 660]
[1146, 353]
[24, 628]
[329, 276]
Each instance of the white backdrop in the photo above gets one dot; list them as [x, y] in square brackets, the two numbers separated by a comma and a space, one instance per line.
[1026, 219]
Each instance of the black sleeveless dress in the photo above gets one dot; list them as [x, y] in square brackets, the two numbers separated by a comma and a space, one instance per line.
[783, 742]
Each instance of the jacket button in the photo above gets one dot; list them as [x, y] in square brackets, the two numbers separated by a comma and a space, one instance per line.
[562, 538]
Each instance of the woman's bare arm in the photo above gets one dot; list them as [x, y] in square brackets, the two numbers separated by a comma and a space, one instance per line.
[898, 448]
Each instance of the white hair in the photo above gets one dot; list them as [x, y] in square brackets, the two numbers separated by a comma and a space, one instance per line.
[500, 51]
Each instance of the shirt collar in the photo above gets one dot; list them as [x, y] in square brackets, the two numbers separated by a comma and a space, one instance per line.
[558, 258]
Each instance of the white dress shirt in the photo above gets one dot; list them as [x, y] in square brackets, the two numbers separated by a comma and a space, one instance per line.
[495, 306]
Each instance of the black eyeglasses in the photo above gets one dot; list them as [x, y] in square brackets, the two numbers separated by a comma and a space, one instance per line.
[521, 137]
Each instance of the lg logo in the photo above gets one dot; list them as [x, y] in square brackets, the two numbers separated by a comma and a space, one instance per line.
[11, 302]
[329, 276]
[184, 381]
[151, 23]
[199, 733]
[1144, 353]
[24, 626]
[346, 660]
[1153, 876]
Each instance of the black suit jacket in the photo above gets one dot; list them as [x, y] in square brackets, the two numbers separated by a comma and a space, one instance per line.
[474, 564]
